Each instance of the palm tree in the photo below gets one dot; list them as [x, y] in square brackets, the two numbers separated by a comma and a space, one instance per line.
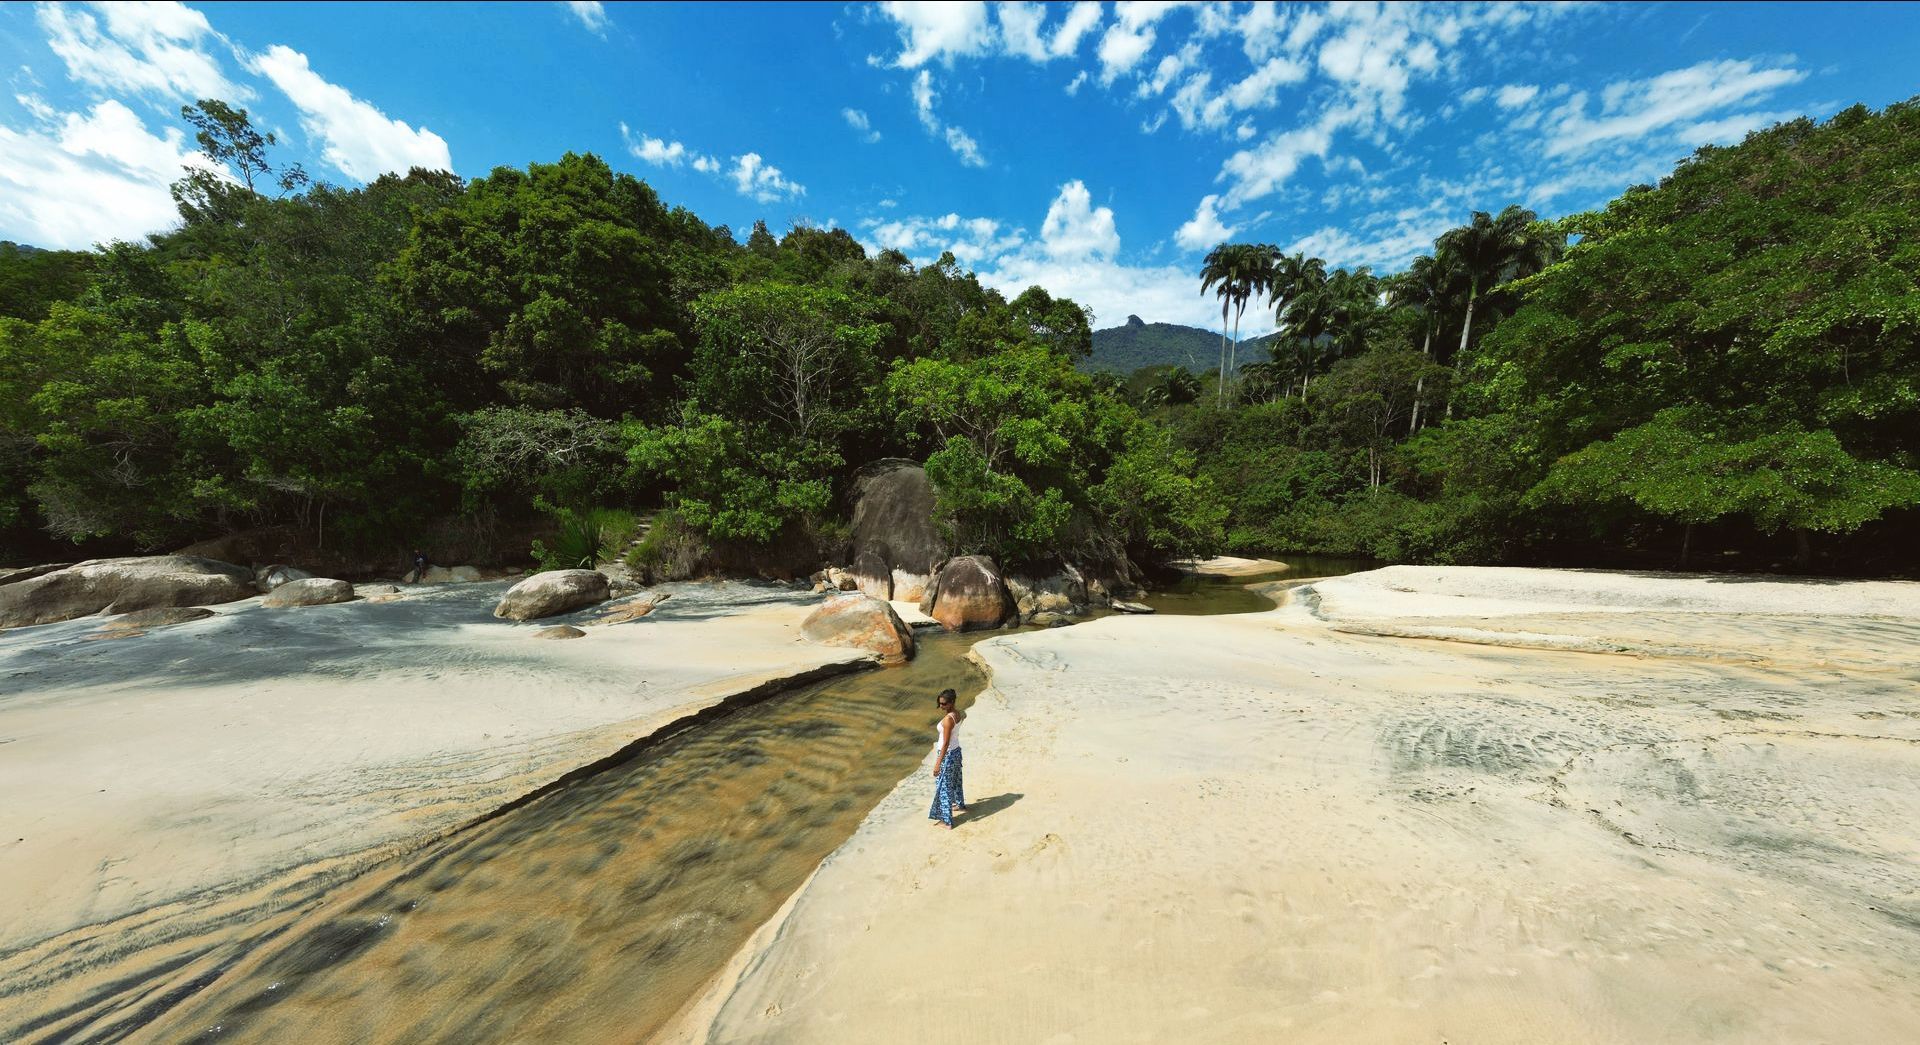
[1295, 290]
[1353, 300]
[1489, 251]
[1425, 285]
[1235, 272]
[1177, 385]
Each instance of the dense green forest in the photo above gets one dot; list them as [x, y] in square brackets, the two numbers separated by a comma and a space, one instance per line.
[360, 364]
[1723, 369]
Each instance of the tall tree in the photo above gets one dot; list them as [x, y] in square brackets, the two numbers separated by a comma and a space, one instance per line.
[1424, 286]
[1235, 272]
[1490, 250]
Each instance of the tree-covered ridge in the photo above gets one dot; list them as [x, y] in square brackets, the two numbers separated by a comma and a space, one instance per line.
[1732, 352]
[353, 362]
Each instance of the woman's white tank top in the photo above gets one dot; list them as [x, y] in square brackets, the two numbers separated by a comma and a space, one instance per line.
[953, 742]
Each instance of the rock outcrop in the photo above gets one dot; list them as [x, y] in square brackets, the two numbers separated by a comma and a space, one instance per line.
[140, 621]
[968, 593]
[872, 573]
[309, 591]
[271, 577]
[122, 586]
[862, 622]
[1063, 593]
[556, 591]
[895, 542]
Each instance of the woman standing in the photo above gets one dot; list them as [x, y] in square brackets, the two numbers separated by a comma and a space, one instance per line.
[949, 799]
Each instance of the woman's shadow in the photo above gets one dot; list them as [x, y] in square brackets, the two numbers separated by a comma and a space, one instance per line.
[986, 807]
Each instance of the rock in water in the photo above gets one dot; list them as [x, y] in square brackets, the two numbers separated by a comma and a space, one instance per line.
[862, 622]
[271, 577]
[560, 631]
[967, 594]
[1049, 619]
[122, 586]
[556, 591]
[1130, 607]
[449, 575]
[1063, 593]
[377, 589]
[140, 620]
[312, 591]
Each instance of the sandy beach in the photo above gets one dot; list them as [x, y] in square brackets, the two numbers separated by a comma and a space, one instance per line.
[171, 787]
[1413, 805]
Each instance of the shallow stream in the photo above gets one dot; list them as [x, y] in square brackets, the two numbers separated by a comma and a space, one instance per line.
[595, 912]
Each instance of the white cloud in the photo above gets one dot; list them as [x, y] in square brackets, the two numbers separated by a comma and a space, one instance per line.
[938, 30]
[1729, 130]
[1081, 19]
[1020, 29]
[1075, 229]
[764, 182]
[1128, 39]
[959, 141]
[1633, 109]
[663, 153]
[1079, 80]
[1514, 95]
[90, 178]
[355, 138]
[143, 48]
[857, 119]
[972, 241]
[1263, 169]
[591, 14]
[1205, 230]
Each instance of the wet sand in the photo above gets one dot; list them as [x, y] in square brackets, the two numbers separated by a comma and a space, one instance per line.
[1411, 805]
[177, 796]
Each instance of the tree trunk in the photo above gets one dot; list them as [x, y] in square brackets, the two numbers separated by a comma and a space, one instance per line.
[1465, 329]
[1233, 354]
[1686, 544]
[1220, 389]
[1802, 550]
[1420, 385]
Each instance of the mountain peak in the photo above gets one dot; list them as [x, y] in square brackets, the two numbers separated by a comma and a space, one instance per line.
[1136, 321]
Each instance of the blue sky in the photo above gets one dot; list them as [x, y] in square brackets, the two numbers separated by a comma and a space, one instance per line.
[1096, 148]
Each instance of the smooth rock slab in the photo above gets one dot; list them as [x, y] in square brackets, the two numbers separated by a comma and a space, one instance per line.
[122, 586]
[556, 591]
[137, 622]
[560, 631]
[312, 591]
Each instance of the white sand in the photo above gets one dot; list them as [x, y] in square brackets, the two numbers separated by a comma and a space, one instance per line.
[172, 767]
[1261, 828]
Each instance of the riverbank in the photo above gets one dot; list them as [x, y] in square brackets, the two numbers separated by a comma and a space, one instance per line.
[206, 779]
[1410, 805]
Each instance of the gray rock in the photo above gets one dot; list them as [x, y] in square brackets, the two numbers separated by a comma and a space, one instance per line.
[158, 617]
[1047, 619]
[968, 593]
[271, 577]
[450, 575]
[1064, 592]
[560, 631]
[556, 591]
[862, 622]
[871, 573]
[122, 586]
[1130, 607]
[310, 591]
[893, 520]
[377, 589]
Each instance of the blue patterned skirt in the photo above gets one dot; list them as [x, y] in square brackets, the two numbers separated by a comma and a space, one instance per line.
[947, 792]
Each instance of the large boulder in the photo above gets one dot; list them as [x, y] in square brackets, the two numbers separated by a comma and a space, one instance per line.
[968, 593]
[1063, 593]
[893, 519]
[863, 622]
[556, 591]
[309, 591]
[872, 574]
[271, 577]
[121, 586]
[909, 586]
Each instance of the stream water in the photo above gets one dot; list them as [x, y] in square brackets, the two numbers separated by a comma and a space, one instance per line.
[595, 912]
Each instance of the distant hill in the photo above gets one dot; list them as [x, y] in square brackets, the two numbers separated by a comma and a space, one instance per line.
[1125, 349]
[21, 248]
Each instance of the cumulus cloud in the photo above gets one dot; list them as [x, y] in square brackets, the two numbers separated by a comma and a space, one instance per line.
[1633, 109]
[762, 181]
[1205, 229]
[357, 139]
[158, 49]
[663, 153]
[1514, 95]
[1082, 18]
[81, 179]
[591, 14]
[1075, 228]
[857, 119]
[938, 30]
[1129, 38]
